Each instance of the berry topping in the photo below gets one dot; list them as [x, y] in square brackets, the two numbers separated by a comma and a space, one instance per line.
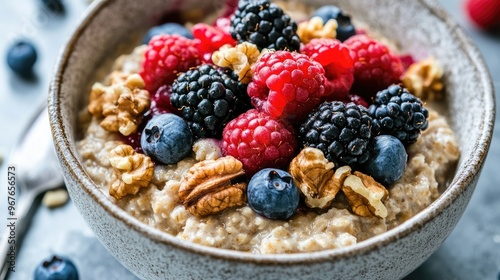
[375, 66]
[338, 64]
[345, 29]
[264, 24]
[166, 139]
[356, 99]
[209, 97]
[341, 131]
[395, 111]
[160, 101]
[21, 57]
[287, 84]
[56, 268]
[484, 14]
[167, 28]
[259, 141]
[210, 39]
[55, 6]
[273, 194]
[387, 160]
[165, 57]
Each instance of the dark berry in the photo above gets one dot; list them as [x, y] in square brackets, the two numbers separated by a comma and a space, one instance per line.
[55, 6]
[387, 160]
[264, 24]
[21, 57]
[397, 112]
[273, 194]
[341, 131]
[166, 139]
[167, 28]
[345, 29]
[208, 98]
[57, 268]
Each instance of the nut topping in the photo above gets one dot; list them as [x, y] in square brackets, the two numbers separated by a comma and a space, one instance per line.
[316, 28]
[314, 175]
[425, 79]
[121, 104]
[207, 187]
[365, 195]
[240, 59]
[134, 171]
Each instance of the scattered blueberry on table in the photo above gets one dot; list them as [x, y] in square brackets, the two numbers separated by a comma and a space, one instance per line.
[273, 194]
[387, 161]
[56, 268]
[167, 28]
[21, 57]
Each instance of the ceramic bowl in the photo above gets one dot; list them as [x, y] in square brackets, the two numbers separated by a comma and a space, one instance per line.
[421, 27]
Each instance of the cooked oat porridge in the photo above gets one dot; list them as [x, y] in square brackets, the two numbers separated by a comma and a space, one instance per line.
[205, 194]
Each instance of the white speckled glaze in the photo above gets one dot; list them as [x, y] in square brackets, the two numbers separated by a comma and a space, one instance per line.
[420, 26]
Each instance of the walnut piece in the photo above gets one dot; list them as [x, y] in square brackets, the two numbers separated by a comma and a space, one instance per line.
[207, 187]
[316, 28]
[425, 79]
[121, 104]
[365, 195]
[240, 59]
[134, 171]
[314, 175]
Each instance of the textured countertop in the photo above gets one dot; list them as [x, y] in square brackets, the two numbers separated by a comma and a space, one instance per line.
[472, 251]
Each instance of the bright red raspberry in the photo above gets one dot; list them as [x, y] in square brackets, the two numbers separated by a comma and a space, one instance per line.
[259, 141]
[485, 14]
[287, 85]
[336, 60]
[210, 39]
[407, 60]
[375, 66]
[165, 57]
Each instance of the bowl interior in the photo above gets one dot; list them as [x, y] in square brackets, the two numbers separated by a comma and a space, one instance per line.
[419, 27]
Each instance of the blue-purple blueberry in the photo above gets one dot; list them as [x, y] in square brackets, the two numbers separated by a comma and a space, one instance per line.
[167, 28]
[387, 161]
[56, 268]
[167, 139]
[21, 57]
[273, 194]
[345, 29]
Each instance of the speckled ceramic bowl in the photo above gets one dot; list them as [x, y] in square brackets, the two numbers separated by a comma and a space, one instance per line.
[420, 26]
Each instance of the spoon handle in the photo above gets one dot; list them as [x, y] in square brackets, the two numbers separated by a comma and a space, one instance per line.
[12, 237]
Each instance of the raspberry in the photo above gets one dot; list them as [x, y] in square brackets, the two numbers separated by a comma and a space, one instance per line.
[356, 99]
[375, 66]
[485, 14]
[165, 57]
[287, 84]
[160, 101]
[259, 141]
[337, 62]
[210, 39]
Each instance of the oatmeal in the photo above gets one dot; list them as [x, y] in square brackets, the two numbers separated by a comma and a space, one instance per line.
[206, 197]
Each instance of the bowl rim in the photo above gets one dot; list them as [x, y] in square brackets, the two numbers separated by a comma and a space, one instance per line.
[463, 178]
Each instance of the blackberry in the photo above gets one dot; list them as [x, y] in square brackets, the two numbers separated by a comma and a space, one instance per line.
[397, 112]
[265, 25]
[341, 131]
[208, 98]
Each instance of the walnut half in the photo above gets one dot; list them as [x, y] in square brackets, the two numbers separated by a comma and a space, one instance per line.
[365, 195]
[207, 187]
[314, 175]
[425, 79]
[134, 171]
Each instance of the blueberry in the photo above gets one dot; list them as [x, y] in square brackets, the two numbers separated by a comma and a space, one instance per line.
[21, 57]
[345, 29]
[55, 6]
[387, 161]
[57, 268]
[167, 28]
[273, 194]
[166, 139]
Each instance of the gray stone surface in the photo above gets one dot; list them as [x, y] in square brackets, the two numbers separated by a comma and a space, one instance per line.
[472, 251]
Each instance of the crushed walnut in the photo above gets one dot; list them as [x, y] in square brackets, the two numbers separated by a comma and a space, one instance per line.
[121, 104]
[313, 174]
[425, 79]
[315, 28]
[240, 59]
[133, 170]
[365, 195]
[208, 187]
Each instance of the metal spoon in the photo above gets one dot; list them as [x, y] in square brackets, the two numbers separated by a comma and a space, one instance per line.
[36, 170]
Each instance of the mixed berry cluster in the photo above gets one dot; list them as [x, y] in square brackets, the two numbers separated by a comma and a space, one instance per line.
[339, 94]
